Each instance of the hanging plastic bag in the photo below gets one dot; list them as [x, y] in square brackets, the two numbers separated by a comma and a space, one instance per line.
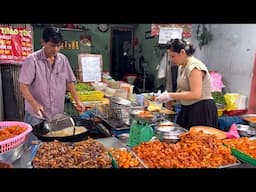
[216, 81]
[233, 132]
[162, 67]
[231, 101]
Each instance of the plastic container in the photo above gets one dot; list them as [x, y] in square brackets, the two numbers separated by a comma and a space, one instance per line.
[13, 142]
[220, 112]
[140, 99]
[89, 95]
[236, 112]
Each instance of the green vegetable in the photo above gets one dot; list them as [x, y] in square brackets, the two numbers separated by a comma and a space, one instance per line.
[218, 97]
[83, 87]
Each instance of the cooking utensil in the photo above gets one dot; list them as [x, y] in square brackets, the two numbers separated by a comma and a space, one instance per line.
[88, 124]
[60, 121]
[42, 127]
[103, 129]
[119, 109]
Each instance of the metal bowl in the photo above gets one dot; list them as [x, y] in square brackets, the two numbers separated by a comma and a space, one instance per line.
[220, 106]
[169, 134]
[168, 139]
[13, 154]
[245, 118]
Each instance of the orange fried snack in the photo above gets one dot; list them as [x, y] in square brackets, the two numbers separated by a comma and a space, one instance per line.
[11, 131]
[193, 151]
[243, 144]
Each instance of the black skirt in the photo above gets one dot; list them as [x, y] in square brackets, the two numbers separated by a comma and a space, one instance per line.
[203, 113]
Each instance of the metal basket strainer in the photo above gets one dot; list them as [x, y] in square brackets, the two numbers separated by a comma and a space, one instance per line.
[120, 109]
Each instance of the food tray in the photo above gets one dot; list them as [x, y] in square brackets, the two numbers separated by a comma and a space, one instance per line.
[72, 162]
[243, 157]
[250, 119]
[246, 116]
[230, 165]
[133, 155]
[14, 142]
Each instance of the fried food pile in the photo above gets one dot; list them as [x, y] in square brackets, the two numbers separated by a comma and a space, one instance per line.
[243, 144]
[124, 158]
[195, 150]
[84, 154]
[11, 131]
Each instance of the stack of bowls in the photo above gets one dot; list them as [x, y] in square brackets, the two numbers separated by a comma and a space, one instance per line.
[169, 133]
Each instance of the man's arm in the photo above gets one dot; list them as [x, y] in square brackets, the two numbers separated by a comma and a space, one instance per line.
[78, 104]
[28, 96]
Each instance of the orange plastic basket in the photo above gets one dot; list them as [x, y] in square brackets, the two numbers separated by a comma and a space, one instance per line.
[14, 142]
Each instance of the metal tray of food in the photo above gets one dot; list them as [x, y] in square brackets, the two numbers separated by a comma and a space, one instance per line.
[243, 157]
[113, 142]
[250, 119]
[130, 162]
[229, 165]
[62, 158]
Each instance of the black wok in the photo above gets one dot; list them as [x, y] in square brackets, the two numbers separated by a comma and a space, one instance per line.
[39, 131]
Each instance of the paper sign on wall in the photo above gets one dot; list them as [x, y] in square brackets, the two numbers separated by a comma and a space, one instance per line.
[90, 67]
[167, 33]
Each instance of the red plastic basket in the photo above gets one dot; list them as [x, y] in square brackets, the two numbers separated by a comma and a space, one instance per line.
[13, 142]
[236, 112]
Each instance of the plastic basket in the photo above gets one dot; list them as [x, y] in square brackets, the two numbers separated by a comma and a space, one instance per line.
[14, 142]
[89, 95]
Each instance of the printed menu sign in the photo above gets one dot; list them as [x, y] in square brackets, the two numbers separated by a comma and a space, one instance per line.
[15, 44]
[166, 34]
[90, 67]
[187, 29]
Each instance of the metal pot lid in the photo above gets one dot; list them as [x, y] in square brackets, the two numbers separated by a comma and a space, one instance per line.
[171, 129]
[168, 133]
[166, 123]
[175, 137]
[121, 101]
